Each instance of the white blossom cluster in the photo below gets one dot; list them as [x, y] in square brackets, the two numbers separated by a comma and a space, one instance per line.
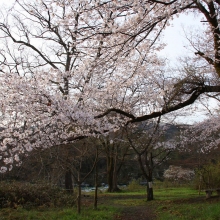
[203, 135]
[177, 173]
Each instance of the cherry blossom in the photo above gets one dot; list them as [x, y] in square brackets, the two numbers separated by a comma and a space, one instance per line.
[73, 69]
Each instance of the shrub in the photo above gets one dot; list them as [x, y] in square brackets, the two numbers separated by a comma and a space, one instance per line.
[134, 185]
[208, 176]
[13, 194]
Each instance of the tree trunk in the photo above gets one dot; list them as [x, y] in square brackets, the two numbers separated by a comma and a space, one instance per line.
[79, 199]
[115, 182]
[96, 187]
[79, 182]
[150, 195]
[68, 182]
[110, 173]
[115, 176]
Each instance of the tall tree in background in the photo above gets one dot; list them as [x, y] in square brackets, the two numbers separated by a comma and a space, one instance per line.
[115, 149]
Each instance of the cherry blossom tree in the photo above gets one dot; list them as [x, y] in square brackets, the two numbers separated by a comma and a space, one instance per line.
[54, 81]
[178, 174]
[203, 135]
[73, 69]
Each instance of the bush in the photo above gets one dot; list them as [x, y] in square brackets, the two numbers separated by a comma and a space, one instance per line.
[208, 176]
[134, 185]
[31, 195]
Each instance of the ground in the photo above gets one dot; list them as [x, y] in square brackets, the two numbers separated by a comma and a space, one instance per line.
[136, 213]
[141, 210]
[136, 207]
[169, 203]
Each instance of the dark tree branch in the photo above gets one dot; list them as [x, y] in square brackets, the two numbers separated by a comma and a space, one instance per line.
[196, 93]
[7, 31]
[119, 111]
[163, 3]
[208, 59]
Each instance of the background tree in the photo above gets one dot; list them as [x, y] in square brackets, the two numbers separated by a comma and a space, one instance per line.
[116, 150]
[80, 163]
[151, 148]
[207, 177]
[179, 174]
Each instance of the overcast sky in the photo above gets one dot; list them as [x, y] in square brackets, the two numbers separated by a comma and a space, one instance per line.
[174, 35]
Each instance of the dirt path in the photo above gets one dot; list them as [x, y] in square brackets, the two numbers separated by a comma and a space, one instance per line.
[130, 210]
[136, 213]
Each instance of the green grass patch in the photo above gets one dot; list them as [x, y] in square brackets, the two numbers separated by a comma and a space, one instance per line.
[175, 193]
[185, 204]
[103, 212]
[125, 193]
[198, 211]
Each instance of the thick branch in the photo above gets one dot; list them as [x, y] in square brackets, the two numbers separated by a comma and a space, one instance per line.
[197, 92]
[119, 111]
[178, 106]
[212, 18]
[163, 3]
[208, 59]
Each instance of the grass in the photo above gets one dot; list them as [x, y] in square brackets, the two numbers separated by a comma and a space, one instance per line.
[205, 211]
[185, 204]
[212, 211]
[102, 213]
[175, 193]
[169, 204]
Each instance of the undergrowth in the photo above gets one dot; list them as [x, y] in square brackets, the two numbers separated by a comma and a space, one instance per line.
[14, 194]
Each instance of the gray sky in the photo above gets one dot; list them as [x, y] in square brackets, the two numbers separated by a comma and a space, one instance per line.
[174, 35]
